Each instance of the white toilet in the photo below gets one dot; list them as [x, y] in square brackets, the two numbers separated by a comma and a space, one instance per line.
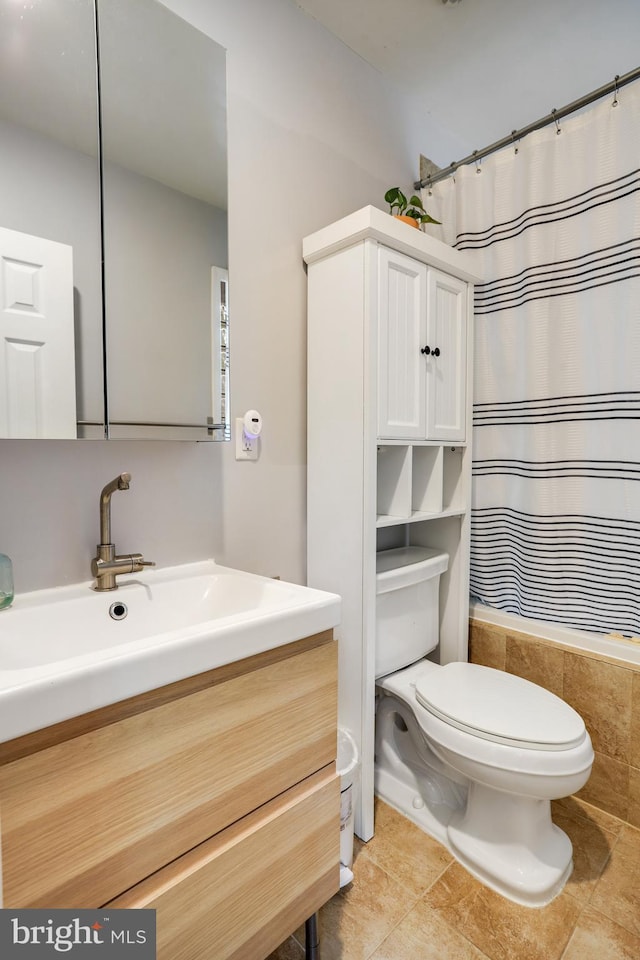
[472, 755]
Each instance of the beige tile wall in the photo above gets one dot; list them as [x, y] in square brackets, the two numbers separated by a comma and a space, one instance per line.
[605, 692]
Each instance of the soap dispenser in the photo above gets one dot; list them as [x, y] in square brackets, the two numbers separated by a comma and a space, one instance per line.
[6, 582]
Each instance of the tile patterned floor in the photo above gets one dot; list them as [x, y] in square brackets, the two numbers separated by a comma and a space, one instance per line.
[410, 899]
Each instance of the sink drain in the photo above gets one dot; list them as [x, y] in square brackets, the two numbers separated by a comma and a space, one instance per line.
[118, 610]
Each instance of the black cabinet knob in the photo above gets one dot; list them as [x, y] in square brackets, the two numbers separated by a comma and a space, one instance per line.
[436, 352]
[426, 351]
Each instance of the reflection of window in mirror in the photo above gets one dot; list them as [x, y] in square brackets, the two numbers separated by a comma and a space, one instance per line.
[220, 348]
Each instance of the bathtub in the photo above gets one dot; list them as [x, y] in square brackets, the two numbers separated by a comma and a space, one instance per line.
[623, 651]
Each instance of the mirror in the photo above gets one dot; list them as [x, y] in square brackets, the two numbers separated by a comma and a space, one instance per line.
[152, 360]
[163, 97]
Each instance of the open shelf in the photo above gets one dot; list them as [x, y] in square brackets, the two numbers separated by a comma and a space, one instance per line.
[410, 481]
[393, 497]
[418, 517]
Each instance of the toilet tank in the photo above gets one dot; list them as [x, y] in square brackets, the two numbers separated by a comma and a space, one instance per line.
[407, 616]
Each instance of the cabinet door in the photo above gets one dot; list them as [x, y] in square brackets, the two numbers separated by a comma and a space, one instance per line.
[446, 362]
[402, 311]
[244, 891]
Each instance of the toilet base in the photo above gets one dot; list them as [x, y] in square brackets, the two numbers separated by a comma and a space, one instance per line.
[407, 800]
[408, 775]
[529, 875]
[511, 844]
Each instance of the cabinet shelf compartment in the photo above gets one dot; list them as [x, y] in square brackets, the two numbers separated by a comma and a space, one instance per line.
[454, 495]
[394, 481]
[426, 480]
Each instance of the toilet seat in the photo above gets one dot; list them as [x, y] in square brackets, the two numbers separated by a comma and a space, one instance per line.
[501, 707]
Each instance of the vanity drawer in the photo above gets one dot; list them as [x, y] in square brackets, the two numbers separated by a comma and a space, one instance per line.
[242, 893]
[88, 817]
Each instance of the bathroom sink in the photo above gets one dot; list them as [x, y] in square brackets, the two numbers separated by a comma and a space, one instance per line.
[68, 650]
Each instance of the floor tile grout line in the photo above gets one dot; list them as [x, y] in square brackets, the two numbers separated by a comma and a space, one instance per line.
[571, 936]
[460, 930]
[420, 899]
[592, 818]
[581, 901]
[416, 899]
[613, 834]
[585, 901]
[583, 906]
[401, 883]
[600, 908]
[617, 922]
[390, 931]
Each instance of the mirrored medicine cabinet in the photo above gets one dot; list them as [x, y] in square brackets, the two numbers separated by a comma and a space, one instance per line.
[113, 223]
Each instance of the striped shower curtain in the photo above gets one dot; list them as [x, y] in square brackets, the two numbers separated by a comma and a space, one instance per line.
[553, 223]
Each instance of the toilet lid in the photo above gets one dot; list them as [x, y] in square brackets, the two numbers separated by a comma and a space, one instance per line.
[500, 706]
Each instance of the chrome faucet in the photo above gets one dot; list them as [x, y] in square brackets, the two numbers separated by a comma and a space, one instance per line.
[106, 566]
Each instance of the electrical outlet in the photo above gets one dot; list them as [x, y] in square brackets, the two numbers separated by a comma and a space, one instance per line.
[246, 447]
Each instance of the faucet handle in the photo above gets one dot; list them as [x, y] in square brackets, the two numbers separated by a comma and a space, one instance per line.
[136, 561]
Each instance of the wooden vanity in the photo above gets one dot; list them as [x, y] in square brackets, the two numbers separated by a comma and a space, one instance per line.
[214, 801]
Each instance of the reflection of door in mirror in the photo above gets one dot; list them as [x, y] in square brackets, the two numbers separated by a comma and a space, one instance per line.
[163, 109]
[49, 171]
[37, 352]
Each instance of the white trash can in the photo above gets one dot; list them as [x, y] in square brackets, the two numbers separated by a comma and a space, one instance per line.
[349, 771]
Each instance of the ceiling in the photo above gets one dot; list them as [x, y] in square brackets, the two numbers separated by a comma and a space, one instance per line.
[482, 68]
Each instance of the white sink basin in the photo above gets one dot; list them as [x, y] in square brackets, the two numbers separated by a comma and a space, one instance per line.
[62, 653]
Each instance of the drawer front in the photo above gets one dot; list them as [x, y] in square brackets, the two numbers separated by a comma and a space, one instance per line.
[87, 818]
[240, 894]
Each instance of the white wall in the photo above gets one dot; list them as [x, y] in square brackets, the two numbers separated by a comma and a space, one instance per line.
[314, 133]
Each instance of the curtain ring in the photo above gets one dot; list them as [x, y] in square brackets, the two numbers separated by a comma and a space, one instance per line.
[556, 121]
[478, 170]
[429, 191]
[513, 141]
[615, 93]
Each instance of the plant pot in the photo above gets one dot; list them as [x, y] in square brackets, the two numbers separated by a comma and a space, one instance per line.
[409, 220]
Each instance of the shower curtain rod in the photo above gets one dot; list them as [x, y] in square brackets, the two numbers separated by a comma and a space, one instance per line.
[515, 135]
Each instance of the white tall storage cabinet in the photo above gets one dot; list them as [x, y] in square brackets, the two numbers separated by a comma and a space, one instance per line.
[389, 428]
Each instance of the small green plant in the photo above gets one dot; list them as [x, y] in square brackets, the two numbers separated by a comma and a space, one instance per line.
[401, 207]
